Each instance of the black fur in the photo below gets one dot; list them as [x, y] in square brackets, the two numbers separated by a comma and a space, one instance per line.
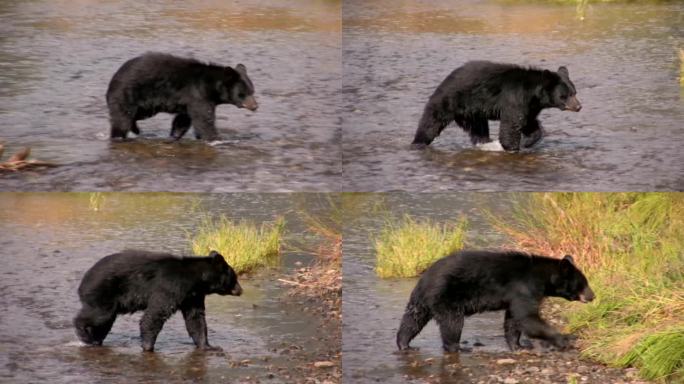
[157, 82]
[470, 282]
[480, 90]
[157, 283]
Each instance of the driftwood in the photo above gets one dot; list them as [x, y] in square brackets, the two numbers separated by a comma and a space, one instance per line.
[19, 161]
[290, 282]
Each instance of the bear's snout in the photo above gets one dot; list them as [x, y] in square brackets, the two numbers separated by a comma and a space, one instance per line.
[250, 103]
[237, 290]
[587, 295]
[573, 104]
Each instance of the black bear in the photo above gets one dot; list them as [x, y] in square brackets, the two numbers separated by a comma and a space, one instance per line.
[157, 82]
[157, 283]
[470, 282]
[481, 90]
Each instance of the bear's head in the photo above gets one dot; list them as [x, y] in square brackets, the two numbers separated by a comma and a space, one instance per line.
[569, 282]
[221, 278]
[236, 88]
[559, 92]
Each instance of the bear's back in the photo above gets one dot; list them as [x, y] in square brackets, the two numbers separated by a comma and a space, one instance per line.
[116, 274]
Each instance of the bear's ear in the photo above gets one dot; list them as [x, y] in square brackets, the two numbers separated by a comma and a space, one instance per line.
[549, 79]
[567, 265]
[215, 255]
[564, 72]
[241, 68]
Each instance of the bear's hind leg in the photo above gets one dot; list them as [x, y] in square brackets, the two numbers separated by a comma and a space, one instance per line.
[414, 320]
[181, 124]
[450, 327]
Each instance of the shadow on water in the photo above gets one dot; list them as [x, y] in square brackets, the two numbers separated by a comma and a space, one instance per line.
[58, 57]
[622, 59]
[54, 238]
[373, 307]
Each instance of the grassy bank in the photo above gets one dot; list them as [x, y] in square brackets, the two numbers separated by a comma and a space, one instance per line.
[631, 246]
[245, 246]
[406, 247]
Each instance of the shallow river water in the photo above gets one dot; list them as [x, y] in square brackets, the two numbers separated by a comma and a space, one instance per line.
[50, 240]
[623, 59]
[57, 57]
[372, 307]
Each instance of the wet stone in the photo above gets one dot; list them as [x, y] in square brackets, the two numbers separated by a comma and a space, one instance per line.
[324, 364]
[505, 361]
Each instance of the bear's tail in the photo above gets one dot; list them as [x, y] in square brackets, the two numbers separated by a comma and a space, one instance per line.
[415, 317]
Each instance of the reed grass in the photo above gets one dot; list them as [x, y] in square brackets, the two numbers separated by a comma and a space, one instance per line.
[631, 247]
[406, 247]
[245, 246]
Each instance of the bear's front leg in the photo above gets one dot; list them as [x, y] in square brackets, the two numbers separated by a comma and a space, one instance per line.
[203, 119]
[93, 324]
[181, 124]
[414, 320]
[450, 328]
[510, 130]
[525, 312]
[431, 125]
[478, 129]
[512, 333]
[152, 322]
[121, 121]
[532, 132]
[195, 323]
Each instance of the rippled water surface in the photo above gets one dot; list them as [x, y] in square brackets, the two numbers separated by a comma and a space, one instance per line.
[372, 307]
[49, 240]
[622, 59]
[57, 57]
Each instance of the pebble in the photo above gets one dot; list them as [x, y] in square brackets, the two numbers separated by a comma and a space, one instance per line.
[547, 371]
[505, 361]
[324, 364]
[510, 380]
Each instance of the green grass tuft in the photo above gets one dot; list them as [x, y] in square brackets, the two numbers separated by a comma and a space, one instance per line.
[245, 246]
[405, 248]
[658, 354]
[631, 247]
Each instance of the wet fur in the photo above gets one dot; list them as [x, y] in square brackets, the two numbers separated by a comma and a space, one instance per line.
[480, 91]
[157, 82]
[159, 284]
[470, 282]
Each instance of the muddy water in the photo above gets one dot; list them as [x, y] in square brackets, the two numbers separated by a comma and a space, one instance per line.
[57, 58]
[622, 59]
[373, 307]
[50, 240]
